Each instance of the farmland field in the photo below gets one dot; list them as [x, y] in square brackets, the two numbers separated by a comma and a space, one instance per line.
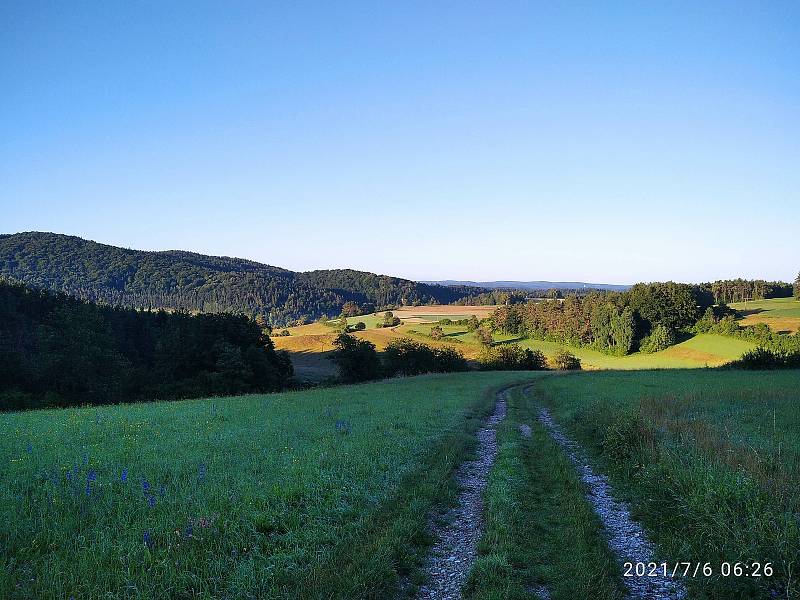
[781, 314]
[289, 495]
[311, 344]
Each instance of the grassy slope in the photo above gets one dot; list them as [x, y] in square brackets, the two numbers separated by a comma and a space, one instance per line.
[309, 345]
[781, 314]
[540, 529]
[321, 493]
[709, 459]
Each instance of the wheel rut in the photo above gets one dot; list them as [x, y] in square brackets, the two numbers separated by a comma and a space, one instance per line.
[626, 537]
[454, 553]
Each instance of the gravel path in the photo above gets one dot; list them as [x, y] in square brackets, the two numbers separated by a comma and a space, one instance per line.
[452, 556]
[626, 538]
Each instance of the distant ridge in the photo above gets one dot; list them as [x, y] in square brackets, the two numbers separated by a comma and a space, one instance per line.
[533, 285]
[180, 280]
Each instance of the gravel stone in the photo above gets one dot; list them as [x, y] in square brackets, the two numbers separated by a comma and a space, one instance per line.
[451, 558]
[626, 538]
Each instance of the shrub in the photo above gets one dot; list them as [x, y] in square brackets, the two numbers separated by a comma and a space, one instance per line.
[437, 332]
[357, 359]
[407, 357]
[763, 358]
[389, 320]
[511, 357]
[360, 326]
[565, 361]
[661, 338]
[484, 336]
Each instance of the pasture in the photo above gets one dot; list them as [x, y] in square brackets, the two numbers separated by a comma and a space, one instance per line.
[781, 314]
[310, 345]
[287, 495]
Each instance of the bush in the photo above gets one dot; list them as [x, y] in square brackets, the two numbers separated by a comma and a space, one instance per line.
[565, 361]
[763, 358]
[511, 357]
[360, 326]
[661, 338]
[437, 332]
[357, 359]
[407, 357]
[484, 336]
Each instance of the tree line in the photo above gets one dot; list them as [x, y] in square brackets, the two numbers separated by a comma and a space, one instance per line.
[56, 350]
[646, 317]
[738, 290]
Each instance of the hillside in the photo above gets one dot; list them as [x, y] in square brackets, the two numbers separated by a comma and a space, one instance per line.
[195, 282]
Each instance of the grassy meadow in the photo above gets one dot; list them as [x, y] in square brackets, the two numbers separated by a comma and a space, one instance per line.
[710, 461]
[310, 345]
[781, 314]
[540, 528]
[313, 494]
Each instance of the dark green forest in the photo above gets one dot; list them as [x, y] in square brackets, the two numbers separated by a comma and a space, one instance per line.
[191, 282]
[647, 317]
[738, 290]
[56, 350]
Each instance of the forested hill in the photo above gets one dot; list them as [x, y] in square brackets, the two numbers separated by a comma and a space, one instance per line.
[195, 282]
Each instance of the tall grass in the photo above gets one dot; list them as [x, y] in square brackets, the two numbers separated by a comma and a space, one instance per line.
[309, 494]
[709, 460]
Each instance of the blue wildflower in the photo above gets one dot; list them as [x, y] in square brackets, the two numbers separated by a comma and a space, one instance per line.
[202, 472]
[162, 491]
[151, 501]
[189, 530]
[29, 448]
[92, 476]
[88, 489]
[124, 476]
[69, 475]
[145, 485]
[86, 459]
[148, 541]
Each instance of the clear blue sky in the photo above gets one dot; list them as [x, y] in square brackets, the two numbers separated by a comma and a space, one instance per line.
[594, 141]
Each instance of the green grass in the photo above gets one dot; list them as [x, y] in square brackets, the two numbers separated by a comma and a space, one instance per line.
[698, 351]
[710, 461]
[310, 494]
[774, 307]
[435, 318]
[540, 529]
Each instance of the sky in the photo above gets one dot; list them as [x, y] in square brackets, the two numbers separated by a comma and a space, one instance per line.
[590, 141]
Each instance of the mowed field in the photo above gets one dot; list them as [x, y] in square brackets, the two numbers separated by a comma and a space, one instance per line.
[311, 494]
[310, 345]
[781, 314]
